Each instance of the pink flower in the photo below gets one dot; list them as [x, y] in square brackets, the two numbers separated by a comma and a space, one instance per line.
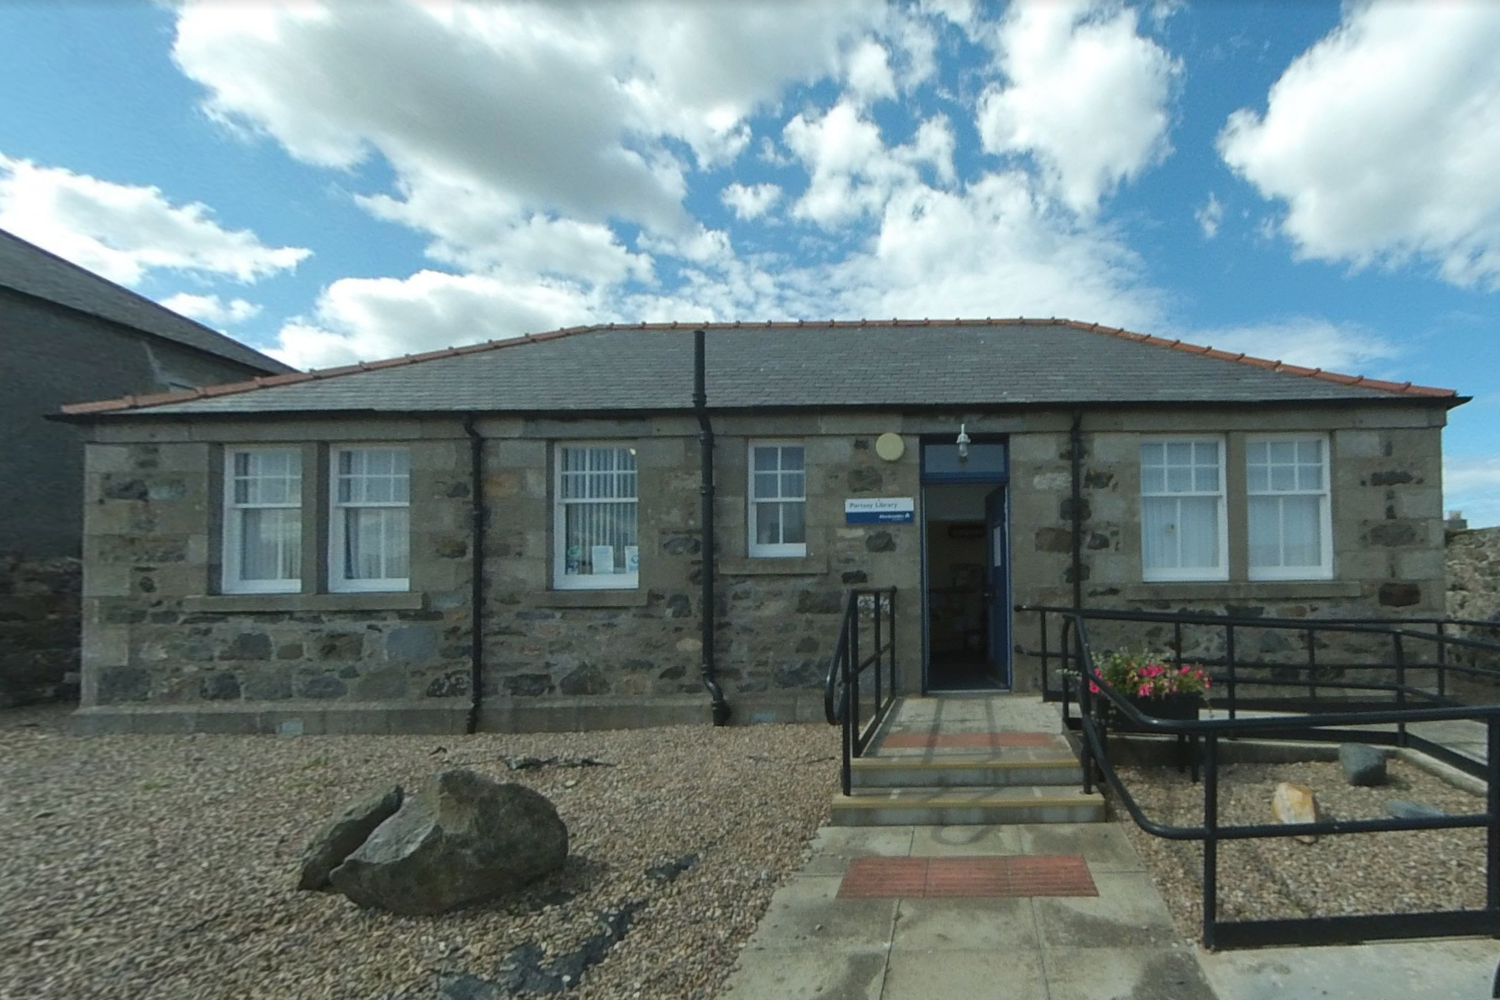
[1144, 691]
[1093, 688]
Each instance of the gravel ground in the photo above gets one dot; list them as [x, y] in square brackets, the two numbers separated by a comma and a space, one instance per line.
[164, 867]
[1352, 873]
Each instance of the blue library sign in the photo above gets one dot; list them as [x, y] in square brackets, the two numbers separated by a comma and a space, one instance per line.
[880, 510]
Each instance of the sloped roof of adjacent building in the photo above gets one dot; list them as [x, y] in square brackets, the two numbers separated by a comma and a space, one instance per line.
[30, 270]
[823, 364]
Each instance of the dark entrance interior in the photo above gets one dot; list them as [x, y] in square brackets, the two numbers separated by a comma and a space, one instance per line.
[967, 585]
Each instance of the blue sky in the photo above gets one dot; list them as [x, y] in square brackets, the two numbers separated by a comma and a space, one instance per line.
[1313, 182]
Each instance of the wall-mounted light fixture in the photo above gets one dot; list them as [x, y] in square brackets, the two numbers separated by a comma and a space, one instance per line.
[963, 443]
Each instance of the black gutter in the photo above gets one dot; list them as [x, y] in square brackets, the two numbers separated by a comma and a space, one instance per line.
[476, 574]
[707, 604]
[644, 413]
[1075, 454]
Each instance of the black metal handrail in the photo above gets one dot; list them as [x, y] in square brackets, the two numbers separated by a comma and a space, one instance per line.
[1094, 756]
[1314, 675]
[841, 689]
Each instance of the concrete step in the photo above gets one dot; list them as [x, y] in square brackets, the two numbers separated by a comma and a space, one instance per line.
[959, 806]
[954, 772]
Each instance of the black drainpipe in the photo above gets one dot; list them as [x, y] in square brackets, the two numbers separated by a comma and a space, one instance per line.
[707, 604]
[1075, 451]
[476, 567]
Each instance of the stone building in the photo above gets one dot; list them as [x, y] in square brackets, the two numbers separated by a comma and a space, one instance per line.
[67, 335]
[299, 554]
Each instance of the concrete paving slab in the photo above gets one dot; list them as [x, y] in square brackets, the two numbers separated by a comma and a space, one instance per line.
[938, 975]
[1152, 973]
[964, 841]
[1006, 925]
[1127, 913]
[1103, 845]
[805, 974]
[856, 842]
[1460, 968]
[806, 914]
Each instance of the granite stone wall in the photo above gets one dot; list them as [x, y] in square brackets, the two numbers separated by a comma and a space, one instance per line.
[1474, 574]
[165, 651]
[39, 629]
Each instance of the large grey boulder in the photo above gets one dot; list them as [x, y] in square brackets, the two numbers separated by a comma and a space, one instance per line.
[1363, 765]
[462, 839]
[342, 836]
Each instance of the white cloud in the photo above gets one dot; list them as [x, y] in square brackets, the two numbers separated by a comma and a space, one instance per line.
[1307, 341]
[750, 202]
[361, 318]
[1382, 140]
[1210, 216]
[123, 231]
[996, 248]
[852, 171]
[869, 73]
[1087, 96]
[557, 110]
[212, 310]
[1472, 485]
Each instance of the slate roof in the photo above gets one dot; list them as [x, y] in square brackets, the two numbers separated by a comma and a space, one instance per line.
[789, 365]
[27, 268]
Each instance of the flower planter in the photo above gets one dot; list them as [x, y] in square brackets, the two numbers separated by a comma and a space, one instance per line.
[1177, 707]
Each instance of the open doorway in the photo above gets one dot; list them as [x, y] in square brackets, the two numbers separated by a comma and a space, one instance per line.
[967, 598]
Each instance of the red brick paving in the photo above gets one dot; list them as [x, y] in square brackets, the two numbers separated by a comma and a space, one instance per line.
[966, 741]
[917, 878]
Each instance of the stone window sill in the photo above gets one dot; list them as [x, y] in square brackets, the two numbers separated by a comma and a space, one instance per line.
[774, 566]
[305, 602]
[587, 599]
[1260, 590]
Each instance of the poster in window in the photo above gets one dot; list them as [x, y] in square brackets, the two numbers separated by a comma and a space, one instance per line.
[632, 558]
[573, 560]
[603, 558]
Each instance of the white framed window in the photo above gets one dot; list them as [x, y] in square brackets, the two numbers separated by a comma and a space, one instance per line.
[1290, 520]
[777, 512]
[595, 540]
[369, 529]
[262, 521]
[1184, 532]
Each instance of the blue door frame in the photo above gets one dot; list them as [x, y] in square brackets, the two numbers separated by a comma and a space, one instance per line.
[987, 462]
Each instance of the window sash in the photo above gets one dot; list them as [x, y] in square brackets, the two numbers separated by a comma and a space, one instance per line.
[1184, 530]
[369, 519]
[777, 491]
[1288, 507]
[262, 536]
[595, 518]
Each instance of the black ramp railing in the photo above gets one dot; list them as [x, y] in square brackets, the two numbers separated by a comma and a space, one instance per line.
[868, 614]
[1404, 706]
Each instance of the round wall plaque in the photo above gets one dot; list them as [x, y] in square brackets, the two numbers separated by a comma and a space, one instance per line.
[890, 447]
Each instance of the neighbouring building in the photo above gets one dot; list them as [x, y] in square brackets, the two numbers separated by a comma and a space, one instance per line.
[67, 335]
[299, 554]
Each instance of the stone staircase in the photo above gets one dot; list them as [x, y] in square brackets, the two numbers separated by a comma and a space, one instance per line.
[955, 761]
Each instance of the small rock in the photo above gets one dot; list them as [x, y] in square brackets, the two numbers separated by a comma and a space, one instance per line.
[1404, 809]
[1364, 766]
[342, 837]
[1295, 804]
[464, 838]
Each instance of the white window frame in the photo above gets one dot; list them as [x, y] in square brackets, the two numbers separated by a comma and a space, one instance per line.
[1324, 569]
[561, 579]
[338, 525]
[776, 550]
[231, 581]
[1190, 573]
